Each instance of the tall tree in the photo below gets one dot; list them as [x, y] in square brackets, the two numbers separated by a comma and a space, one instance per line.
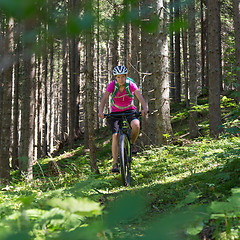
[38, 107]
[171, 55]
[161, 78]
[207, 48]
[192, 71]
[147, 50]
[51, 104]
[2, 53]
[203, 44]
[236, 21]
[72, 90]
[185, 64]
[115, 55]
[77, 88]
[177, 65]
[135, 48]
[64, 91]
[135, 45]
[72, 74]
[15, 126]
[27, 106]
[74, 67]
[5, 133]
[90, 91]
[45, 97]
[215, 75]
[98, 59]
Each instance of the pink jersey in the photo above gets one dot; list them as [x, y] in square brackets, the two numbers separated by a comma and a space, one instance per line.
[122, 99]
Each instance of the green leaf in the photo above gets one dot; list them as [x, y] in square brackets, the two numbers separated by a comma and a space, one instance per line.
[194, 230]
[84, 207]
[177, 25]
[220, 207]
[26, 200]
[76, 25]
[190, 198]
[150, 25]
[126, 208]
[35, 213]
[21, 8]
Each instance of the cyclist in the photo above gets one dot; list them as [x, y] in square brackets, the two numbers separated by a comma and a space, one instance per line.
[123, 90]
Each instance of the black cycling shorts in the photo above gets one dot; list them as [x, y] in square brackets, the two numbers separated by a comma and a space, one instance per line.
[114, 121]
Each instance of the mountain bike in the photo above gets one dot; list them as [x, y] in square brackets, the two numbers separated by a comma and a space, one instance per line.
[125, 146]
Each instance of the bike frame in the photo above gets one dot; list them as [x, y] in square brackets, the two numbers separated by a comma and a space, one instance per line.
[124, 132]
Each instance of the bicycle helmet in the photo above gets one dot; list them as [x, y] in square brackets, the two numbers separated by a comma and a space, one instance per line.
[118, 70]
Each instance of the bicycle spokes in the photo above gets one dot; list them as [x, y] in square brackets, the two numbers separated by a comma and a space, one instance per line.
[125, 159]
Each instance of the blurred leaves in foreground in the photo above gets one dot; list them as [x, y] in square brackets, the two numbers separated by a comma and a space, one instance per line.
[72, 218]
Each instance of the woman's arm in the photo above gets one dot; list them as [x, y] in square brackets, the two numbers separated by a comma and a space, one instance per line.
[142, 101]
[102, 104]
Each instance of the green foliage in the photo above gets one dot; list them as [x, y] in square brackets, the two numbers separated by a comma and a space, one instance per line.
[23, 9]
[230, 113]
[82, 207]
[177, 25]
[178, 191]
[232, 124]
[77, 25]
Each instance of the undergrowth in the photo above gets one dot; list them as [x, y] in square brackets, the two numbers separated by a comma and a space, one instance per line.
[187, 191]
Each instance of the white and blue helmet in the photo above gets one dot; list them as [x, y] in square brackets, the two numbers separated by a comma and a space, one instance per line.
[118, 70]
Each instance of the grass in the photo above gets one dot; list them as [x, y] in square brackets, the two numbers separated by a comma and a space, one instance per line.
[187, 191]
[166, 180]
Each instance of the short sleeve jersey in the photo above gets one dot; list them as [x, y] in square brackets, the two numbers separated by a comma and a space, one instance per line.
[122, 99]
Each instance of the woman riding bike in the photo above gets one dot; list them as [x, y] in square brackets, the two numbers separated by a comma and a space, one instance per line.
[123, 90]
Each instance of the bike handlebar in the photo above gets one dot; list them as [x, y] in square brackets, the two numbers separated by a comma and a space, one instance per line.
[122, 114]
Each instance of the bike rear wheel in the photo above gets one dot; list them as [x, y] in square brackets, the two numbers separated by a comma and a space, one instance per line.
[125, 159]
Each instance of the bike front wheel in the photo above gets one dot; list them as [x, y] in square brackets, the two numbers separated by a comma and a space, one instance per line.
[125, 158]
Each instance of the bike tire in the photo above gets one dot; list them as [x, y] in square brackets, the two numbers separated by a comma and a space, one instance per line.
[125, 159]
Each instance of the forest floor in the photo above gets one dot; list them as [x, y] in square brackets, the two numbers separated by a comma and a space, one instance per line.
[184, 190]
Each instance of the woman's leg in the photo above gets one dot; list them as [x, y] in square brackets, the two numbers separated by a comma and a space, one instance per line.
[115, 147]
[135, 125]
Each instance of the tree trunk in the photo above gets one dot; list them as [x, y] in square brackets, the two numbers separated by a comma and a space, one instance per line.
[45, 112]
[90, 94]
[126, 36]
[64, 92]
[15, 130]
[236, 21]
[177, 55]
[98, 60]
[207, 49]
[193, 127]
[39, 108]
[185, 65]
[203, 47]
[2, 54]
[163, 126]
[77, 89]
[72, 91]
[147, 50]
[74, 81]
[214, 54]
[115, 39]
[135, 56]
[5, 134]
[27, 109]
[171, 54]
[51, 106]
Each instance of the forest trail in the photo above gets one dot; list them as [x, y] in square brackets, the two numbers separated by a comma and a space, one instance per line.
[169, 183]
